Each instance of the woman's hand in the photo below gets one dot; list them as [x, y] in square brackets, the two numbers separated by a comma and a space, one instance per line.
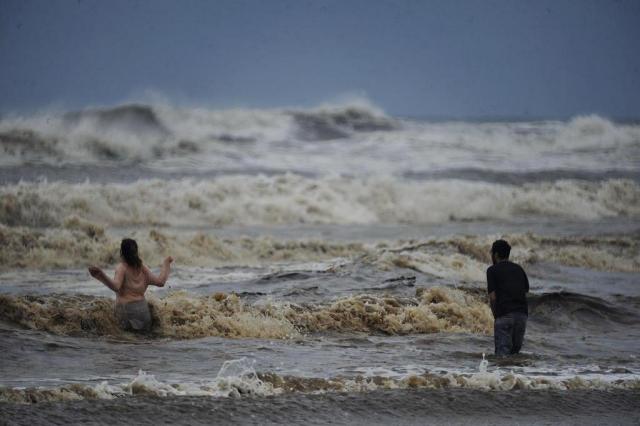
[95, 272]
[168, 260]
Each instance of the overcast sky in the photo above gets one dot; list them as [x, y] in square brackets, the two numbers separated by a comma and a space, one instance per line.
[419, 58]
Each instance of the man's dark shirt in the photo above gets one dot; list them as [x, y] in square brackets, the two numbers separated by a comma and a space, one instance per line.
[511, 285]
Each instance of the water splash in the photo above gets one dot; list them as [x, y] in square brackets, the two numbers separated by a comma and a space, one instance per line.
[482, 367]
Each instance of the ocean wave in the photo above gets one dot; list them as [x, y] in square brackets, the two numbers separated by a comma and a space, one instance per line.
[184, 316]
[294, 199]
[457, 258]
[238, 378]
[138, 132]
[562, 308]
[81, 243]
[335, 135]
[465, 258]
[340, 123]
[595, 132]
[132, 118]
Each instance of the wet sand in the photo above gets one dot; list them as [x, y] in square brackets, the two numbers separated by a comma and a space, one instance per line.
[423, 406]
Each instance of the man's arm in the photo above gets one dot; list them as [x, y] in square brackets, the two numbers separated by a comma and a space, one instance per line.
[114, 284]
[160, 279]
[491, 290]
[492, 303]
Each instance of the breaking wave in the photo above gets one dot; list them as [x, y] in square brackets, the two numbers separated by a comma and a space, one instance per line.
[595, 132]
[184, 316]
[460, 258]
[465, 258]
[82, 243]
[137, 132]
[238, 378]
[337, 124]
[294, 199]
[283, 139]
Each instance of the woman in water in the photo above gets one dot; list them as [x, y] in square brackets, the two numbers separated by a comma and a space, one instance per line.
[130, 282]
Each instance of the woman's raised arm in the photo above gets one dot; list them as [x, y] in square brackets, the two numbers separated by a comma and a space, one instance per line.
[114, 284]
[161, 279]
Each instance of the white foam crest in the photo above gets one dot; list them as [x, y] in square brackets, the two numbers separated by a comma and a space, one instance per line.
[293, 199]
[444, 265]
[226, 138]
[595, 132]
[583, 143]
[330, 138]
[244, 381]
[51, 138]
[235, 378]
[201, 124]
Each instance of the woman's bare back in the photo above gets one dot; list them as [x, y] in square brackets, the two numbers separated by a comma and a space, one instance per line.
[130, 283]
[134, 283]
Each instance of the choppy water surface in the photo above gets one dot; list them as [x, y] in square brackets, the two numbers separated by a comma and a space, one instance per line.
[317, 251]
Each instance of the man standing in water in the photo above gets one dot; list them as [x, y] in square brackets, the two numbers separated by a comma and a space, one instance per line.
[507, 285]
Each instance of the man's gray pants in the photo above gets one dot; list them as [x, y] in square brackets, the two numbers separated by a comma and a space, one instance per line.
[508, 333]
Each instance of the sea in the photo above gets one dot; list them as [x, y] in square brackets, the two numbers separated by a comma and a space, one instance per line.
[330, 266]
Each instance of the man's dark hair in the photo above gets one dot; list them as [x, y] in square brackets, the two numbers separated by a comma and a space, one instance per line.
[129, 253]
[501, 248]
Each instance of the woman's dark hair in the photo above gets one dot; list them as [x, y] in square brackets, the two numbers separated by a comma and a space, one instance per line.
[501, 248]
[129, 253]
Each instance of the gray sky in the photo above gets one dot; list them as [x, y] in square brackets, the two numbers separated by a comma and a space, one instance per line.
[419, 58]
